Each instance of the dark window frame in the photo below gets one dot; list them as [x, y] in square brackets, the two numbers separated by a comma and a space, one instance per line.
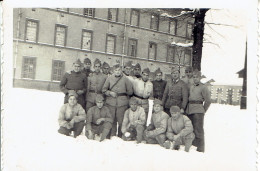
[63, 68]
[34, 68]
[111, 35]
[175, 31]
[156, 15]
[149, 44]
[66, 34]
[139, 13]
[94, 11]
[168, 57]
[37, 30]
[116, 14]
[189, 23]
[129, 39]
[185, 51]
[91, 45]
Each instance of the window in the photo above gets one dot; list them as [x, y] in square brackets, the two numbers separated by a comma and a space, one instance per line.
[187, 59]
[60, 35]
[173, 27]
[189, 30]
[111, 44]
[90, 12]
[154, 22]
[135, 15]
[132, 47]
[112, 14]
[31, 33]
[171, 54]
[57, 70]
[152, 50]
[29, 67]
[86, 42]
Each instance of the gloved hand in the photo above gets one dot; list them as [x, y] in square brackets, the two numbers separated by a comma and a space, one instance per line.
[80, 92]
[100, 120]
[113, 94]
[176, 137]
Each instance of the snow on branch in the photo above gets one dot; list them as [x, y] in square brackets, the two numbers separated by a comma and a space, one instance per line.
[182, 44]
[165, 14]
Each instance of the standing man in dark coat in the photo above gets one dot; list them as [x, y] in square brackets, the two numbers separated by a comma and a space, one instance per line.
[75, 80]
[87, 65]
[117, 89]
[175, 93]
[199, 102]
[158, 85]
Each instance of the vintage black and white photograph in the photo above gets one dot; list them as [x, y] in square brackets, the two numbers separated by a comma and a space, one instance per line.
[129, 89]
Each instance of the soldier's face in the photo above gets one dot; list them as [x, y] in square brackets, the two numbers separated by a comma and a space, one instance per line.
[97, 67]
[145, 76]
[87, 65]
[137, 71]
[76, 67]
[157, 108]
[188, 73]
[72, 100]
[175, 75]
[158, 76]
[133, 107]
[196, 79]
[100, 104]
[105, 70]
[127, 70]
[175, 115]
[117, 72]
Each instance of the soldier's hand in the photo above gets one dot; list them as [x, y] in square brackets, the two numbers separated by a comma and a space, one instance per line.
[176, 137]
[182, 111]
[113, 94]
[80, 92]
[100, 120]
[149, 133]
[72, 122]
[76, 119]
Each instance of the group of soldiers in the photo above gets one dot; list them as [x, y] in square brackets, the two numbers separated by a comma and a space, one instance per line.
[114, 101]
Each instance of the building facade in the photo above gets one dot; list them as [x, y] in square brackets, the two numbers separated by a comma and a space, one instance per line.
[47, 41]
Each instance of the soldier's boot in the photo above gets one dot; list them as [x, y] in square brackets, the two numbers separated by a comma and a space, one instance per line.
[104, 134]
[188, 143]
[176, 147]
[139, 133]
[167, 144]
[160, 139]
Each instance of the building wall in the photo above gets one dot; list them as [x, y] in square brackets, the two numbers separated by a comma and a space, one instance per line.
[45, 51]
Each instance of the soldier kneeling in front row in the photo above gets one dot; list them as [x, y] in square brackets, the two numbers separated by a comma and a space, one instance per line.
[179, 130]
[155, 132]
[99, 120]
[72, 116]
[134, 122]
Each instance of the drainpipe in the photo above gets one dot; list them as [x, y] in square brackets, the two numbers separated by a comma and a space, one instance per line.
[123, 50]
[17, 37]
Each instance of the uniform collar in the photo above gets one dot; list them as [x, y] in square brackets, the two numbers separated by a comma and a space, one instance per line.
[175, 81]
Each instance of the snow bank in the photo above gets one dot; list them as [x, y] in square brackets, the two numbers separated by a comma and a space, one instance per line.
[31, 141]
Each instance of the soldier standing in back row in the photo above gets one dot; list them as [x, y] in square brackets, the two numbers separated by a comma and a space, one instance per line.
[106, 68]
[96, 81]
[175, 93]
[75, 80]
[117, 88]
[188, 76]
[137, 71]
[127, 71]
[87, 65]
[158, 85]
[143, 90]
[199, 102]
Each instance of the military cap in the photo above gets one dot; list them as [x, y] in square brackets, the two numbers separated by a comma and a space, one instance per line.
[189, 68]
[197, 72]
[72, 93]
[99, 98]
[175, 68]
[146, 70]
[78, 62]
[105, 65]
[87, 60]
[157, 71]
[97, 61]
[137, 66]
[132, 100]
[175, 109]
[116, 66]
[157, 101]
[128, 64]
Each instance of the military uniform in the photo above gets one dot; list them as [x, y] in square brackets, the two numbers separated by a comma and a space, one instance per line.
[95, 85]
[117, 105]
[199, 102]
[74, 81]
[175, 94]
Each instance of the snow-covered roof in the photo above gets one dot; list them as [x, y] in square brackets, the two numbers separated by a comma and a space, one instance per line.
[182, 44]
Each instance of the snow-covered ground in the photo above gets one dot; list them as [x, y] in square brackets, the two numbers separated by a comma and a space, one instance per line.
[31, 141]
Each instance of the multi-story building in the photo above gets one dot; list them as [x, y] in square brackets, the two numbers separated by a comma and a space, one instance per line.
[47, 41]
